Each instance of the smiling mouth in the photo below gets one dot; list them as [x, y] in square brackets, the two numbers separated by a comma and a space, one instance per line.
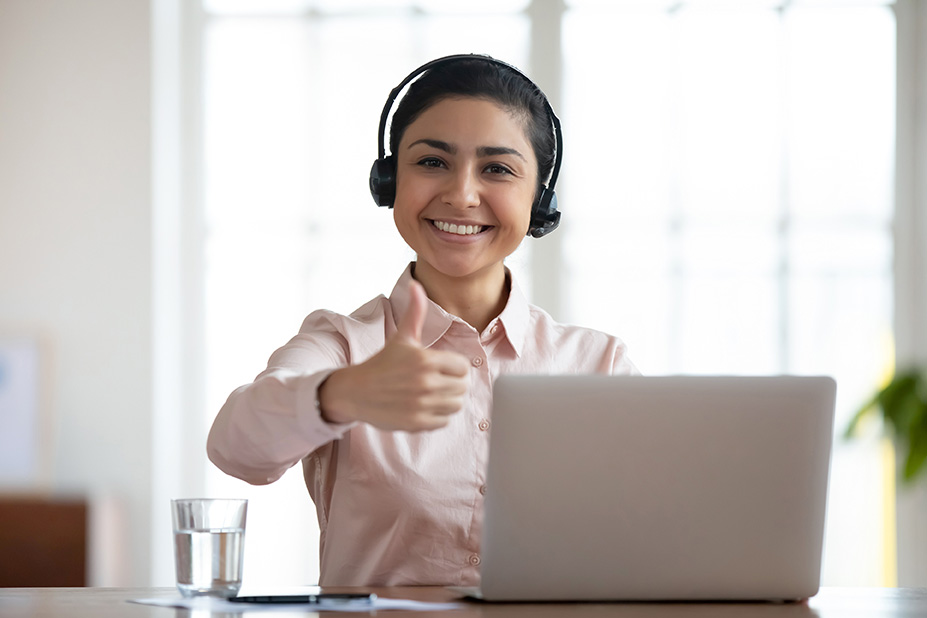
[460, 230]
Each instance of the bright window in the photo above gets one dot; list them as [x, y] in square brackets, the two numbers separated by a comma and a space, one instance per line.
[726, 193]
[291, 108]
[729, 196]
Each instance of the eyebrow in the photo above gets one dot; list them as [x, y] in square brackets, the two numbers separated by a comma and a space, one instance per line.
[482, 151]
[493, 151]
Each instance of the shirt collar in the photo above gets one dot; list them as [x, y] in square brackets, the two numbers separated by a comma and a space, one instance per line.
[514, 317]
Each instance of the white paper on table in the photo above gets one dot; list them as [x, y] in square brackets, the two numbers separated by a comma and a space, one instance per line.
[214, 604]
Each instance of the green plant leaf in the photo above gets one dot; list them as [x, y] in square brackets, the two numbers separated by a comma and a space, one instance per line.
[908, 416]
[898, 400]
[917, 446]
[903, 407]
[864, 411]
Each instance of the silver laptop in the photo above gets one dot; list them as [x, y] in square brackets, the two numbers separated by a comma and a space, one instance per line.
[656, 488]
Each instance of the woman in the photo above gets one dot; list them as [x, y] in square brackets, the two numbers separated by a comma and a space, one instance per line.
[389, 408]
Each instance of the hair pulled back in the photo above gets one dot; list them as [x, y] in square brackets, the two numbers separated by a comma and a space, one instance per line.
[481, 79]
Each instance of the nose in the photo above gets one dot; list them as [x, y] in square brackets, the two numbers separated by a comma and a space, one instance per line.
[462, 189]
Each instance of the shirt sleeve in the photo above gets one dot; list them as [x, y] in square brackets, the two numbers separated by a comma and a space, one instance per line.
[621, 362]
[268, 426]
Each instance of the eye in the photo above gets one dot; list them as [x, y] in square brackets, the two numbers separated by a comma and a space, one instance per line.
[431, 162]
[496, 168]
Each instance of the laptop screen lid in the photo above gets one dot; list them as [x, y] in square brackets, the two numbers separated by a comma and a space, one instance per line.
[656, 488]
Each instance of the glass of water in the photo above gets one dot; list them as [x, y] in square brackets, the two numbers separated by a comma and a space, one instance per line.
[209, 542]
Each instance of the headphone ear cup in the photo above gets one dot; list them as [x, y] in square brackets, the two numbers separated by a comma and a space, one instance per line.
[544, 214]
[383, 181]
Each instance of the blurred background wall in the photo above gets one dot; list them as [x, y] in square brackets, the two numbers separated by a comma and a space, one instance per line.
[76, 251]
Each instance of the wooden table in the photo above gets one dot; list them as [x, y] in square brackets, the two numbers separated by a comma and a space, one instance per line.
[829, 603]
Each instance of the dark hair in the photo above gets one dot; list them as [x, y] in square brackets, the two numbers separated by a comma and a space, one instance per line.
[482, 79]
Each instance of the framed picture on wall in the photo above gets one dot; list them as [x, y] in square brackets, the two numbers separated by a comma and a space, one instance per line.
[23, 439]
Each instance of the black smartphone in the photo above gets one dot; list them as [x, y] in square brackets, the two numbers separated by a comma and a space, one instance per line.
[311, 599]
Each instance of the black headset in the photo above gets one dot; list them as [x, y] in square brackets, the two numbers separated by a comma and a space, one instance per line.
[544, 214]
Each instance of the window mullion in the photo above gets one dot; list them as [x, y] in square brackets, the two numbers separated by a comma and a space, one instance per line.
[546, 54]
[910, 264]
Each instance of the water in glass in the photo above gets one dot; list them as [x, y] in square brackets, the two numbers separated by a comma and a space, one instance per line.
[209, 561]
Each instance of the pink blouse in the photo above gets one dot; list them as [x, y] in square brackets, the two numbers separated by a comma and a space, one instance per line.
[394, 508]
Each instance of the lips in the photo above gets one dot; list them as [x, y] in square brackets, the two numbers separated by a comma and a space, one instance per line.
[459, 229]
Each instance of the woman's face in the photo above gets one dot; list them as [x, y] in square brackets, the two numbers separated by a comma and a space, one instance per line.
[465, 181]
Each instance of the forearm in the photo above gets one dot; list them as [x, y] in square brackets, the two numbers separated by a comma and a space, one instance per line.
[267, 426]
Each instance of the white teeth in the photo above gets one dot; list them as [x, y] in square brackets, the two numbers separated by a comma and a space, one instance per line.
[462, 230]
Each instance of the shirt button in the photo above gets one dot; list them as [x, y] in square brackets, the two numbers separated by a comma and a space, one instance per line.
[484, 425]
[477, 361]
[483, 489]
[494, 329]
[474, 560]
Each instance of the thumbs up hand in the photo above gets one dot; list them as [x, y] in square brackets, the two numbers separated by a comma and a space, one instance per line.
[404, 386]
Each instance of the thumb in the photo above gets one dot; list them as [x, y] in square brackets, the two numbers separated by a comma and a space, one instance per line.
[411, 324]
